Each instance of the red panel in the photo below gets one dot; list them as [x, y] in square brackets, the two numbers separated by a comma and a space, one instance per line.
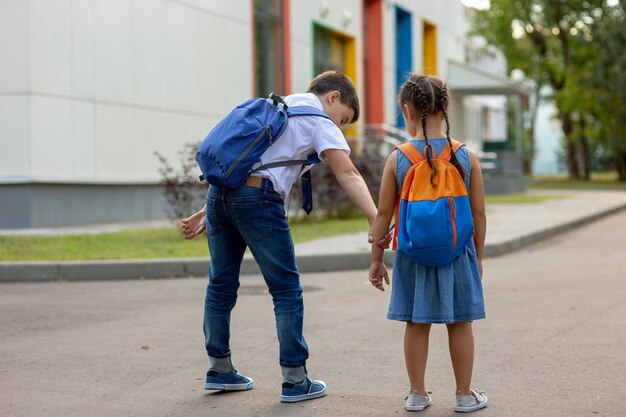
[287, 46]
[252, 60]
[374, 94]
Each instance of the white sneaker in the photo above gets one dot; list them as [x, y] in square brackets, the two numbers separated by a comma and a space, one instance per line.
[416, 402]
[467, 403]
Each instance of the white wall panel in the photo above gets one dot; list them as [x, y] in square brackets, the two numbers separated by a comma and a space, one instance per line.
[113, 52]
[83, 144]
[148, 44]
[209, 61]
[82, 49]
[51, 46]
[231, 9]
[14, 46]
[51, 138]
[114, 149]
[14, 138]
[165, 134]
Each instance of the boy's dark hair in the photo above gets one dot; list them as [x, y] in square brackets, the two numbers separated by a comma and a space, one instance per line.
[428, 95]
[335, 81]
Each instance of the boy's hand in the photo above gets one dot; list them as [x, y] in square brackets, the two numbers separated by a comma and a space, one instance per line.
[378, 272]
[383, 243]
[194, 225]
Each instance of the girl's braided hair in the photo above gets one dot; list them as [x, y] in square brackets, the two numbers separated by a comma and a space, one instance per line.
[429, 95]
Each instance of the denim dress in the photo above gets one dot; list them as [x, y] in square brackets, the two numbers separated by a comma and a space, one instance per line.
[429, 294]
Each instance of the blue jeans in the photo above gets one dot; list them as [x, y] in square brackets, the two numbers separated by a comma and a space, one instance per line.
[254, 218]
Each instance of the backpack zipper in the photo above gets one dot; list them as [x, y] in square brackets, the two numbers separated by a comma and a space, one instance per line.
[453, 216]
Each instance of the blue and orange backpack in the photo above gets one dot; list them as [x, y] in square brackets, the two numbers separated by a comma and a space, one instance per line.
[433, 222]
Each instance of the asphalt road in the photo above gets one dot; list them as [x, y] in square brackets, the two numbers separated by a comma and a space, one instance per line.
[553, 344]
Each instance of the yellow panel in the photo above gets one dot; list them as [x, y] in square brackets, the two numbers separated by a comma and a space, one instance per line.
[350, 71]
[430, 49]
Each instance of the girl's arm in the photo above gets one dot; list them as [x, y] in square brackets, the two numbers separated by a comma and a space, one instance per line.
[477, 203]
[351, 181]
[386, 206]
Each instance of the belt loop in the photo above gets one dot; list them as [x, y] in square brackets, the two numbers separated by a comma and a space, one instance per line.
[266, 185]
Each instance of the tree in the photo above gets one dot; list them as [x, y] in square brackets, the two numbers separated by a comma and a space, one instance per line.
[610, 84]
[549, 40]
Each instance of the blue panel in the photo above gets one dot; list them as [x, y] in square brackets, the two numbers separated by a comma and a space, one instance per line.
[404, 52]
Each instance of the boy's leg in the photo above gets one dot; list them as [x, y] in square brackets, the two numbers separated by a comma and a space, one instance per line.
[461, 343]
[272, 248]
[227, 248]
[416, 337]
[263, 224]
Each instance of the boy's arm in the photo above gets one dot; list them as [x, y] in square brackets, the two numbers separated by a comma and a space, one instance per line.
[477, 204]
[195, 224]
[351, 181]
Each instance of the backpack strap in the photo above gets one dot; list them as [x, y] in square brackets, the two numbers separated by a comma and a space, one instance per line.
[306, 111]
[415, 156]
[311, 160]
[293, 112]
[446, 154]
[410, 152]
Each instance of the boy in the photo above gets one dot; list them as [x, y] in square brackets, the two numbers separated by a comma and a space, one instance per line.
[253, 216]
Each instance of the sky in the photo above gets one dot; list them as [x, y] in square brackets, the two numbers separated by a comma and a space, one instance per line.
[478, 4]
[483, 4]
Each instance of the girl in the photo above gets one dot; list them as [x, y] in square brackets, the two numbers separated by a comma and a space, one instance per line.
[422, 295]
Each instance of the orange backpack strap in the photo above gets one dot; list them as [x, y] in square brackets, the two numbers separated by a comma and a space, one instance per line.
[394, 241]
[445, 153]
[410, 152]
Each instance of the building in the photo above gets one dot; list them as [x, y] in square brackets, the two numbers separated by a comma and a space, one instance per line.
[90, 89]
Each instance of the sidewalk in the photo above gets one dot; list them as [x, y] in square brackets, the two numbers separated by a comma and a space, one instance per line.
[510, 227]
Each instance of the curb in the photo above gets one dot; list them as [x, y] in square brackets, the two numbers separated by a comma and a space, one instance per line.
[198, 267]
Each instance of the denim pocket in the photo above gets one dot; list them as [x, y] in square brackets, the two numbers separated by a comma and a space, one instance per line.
[212, 225]
[254, 218]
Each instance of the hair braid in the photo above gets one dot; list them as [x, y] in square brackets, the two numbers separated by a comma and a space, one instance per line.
[428, 106]
[444, 106]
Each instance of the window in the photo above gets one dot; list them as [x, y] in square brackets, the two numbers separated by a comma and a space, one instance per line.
[404, 53]
[336, 51]
[269, 48]
[333, 51]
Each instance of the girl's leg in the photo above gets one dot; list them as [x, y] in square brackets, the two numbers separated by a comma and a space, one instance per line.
[416, 353]
[461, 342]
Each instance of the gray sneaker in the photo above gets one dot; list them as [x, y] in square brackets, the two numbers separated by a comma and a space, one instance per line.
[416, 402]
[467, 403]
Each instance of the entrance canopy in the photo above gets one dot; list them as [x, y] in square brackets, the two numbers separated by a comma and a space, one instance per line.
[469, 80]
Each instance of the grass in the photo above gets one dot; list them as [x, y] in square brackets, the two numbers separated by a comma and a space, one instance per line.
[599, 181]
[168, 243]
[520, 198]
[146, 243]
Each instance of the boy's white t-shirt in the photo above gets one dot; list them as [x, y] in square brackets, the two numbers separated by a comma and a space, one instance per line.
[303, 136]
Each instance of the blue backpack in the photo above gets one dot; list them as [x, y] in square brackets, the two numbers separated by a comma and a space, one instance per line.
[236, 143]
